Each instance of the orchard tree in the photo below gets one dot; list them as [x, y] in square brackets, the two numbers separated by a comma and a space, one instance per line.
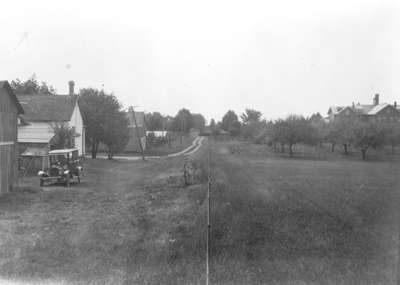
[277, 133]
[340, 131]
[297, 129]
[393, 134]
[367, 134]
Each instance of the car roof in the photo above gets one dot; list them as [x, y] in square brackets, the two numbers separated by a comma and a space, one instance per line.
[60, 151]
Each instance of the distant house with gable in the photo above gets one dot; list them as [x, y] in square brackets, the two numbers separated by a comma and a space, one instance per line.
[133, 143]
[377, 112]
[42, 113]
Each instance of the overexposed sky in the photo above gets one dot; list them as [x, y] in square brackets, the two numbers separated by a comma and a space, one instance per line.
[278, 57]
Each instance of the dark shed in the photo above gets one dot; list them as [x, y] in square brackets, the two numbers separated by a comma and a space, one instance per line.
[10, 108]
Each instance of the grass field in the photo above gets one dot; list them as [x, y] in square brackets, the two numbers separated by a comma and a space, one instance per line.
[275, 220]
[303, 221]
[126, 223]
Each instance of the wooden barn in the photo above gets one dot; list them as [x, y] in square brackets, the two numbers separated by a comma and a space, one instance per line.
[9, 111]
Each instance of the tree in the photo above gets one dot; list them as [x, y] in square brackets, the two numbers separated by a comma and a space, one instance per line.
[32, 86]
[277, 133]
[296, 129]
[115, 135]
[212, 125]
[199, 122]
[230, 123]
[366, 135]
[340, 131]
[97, 107]
[393, 134]
[155, 121]
[183, 121]
[64, 136]
[251, 116]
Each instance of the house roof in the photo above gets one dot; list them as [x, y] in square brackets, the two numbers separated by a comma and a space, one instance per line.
[337, 109]
[4, 84]
[47, 108]
[370, 109]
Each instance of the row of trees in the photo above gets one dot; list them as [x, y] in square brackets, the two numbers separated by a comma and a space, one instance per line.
[105, 120]
[357, 133]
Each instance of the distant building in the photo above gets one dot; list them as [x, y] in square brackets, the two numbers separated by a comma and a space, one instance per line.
[42, 113]
[378, 112]
[133, 143]
[10, 108]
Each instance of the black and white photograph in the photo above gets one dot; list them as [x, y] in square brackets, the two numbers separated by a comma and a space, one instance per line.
[209, 142]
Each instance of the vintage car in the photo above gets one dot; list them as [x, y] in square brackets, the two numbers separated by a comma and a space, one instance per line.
[65, 167]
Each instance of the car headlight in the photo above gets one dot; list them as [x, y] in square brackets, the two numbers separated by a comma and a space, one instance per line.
[40, 173]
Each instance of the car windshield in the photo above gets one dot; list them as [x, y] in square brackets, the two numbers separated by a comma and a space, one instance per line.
[61, 158]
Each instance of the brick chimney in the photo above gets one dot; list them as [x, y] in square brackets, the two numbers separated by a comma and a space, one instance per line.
[71, 85]
[376, 99]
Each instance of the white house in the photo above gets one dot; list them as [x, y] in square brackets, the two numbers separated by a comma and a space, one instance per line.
[42, 113]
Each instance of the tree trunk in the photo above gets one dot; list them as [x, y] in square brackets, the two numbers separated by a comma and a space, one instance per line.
[333, 147]
[94, 152]
[345, 149]
[364, 154]
[290, 149]
[282, 147]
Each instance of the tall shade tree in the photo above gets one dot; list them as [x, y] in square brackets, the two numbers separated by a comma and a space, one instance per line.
[115, 135]
[155, 121]
[183, 121]
[230, 122]
[97, 107]
[199, 122]
[32, 86]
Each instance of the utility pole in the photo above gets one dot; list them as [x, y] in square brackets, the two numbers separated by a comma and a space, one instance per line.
[182, 126]
[137, 132]
[208, 218]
